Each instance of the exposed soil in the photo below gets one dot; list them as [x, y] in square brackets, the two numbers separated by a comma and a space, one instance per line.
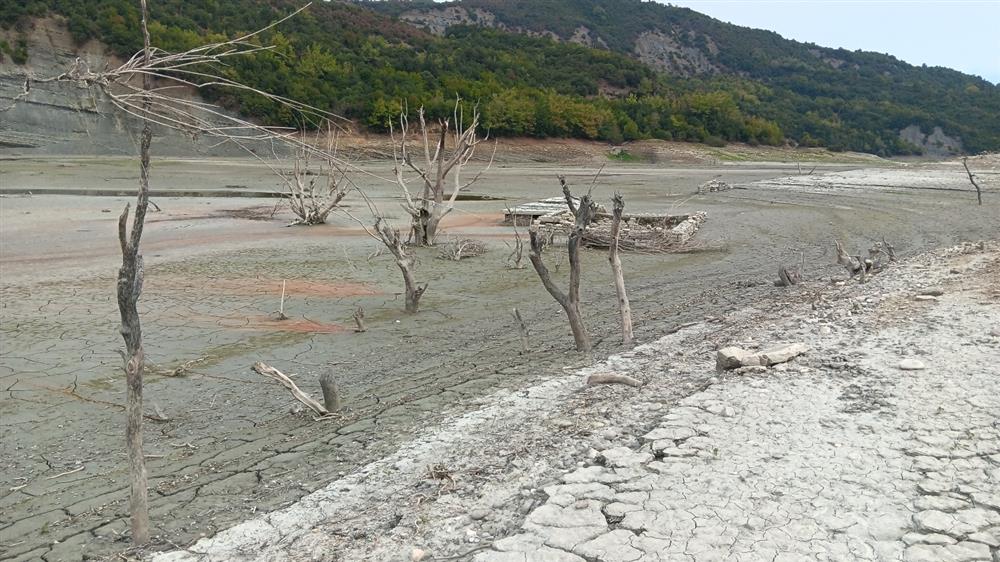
[235, 444]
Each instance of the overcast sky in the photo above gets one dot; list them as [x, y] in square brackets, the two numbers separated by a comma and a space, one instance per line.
[959, 34]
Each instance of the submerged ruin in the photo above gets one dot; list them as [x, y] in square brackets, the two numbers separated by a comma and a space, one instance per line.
[639, 231]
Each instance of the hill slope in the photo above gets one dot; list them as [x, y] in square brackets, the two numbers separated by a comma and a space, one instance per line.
[656, 72]
[818, 90]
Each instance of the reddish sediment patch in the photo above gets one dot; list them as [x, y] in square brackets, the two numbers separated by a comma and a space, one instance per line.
[260, 287]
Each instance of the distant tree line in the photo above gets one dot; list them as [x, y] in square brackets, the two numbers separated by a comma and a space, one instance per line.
[365, 65]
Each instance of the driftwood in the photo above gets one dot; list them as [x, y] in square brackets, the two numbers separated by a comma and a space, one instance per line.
[570, 301]
[272, 373]
[972, 178]
[612, 378]
[624, 309]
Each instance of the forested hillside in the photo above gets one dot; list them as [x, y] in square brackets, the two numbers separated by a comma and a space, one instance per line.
[366, 63]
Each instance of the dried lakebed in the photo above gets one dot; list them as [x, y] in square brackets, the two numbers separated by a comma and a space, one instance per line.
[230, 447]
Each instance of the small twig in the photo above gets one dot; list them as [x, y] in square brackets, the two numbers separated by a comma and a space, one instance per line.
[67, 473]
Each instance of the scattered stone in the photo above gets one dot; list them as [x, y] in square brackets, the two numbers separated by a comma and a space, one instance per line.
[931, 293]
[955, 271]
[782, 354]
[735, 357]
[479, 514]
[924, 298]
[712, 186]
[911, 364]
[729, 358]
[825, 330]
[417, 554]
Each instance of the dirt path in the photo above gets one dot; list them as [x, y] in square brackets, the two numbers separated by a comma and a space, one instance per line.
[232, 448]
[839, 454]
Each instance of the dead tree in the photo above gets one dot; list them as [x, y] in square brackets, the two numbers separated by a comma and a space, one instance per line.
[433, 201]
[312, 196]
[618, 208]
[130, 277]
[517, 254]
[129, 89]
[972, 178]
[570, 301]
[389, 237]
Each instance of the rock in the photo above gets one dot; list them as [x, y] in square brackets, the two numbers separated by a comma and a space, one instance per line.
[931, 293]
[825, 330]
[621, 457]
[735, 357]
[782, 354]
[955, 271]
[729, 358]
[479, 514]
[924, 298]
[911, 364]
[417, 554]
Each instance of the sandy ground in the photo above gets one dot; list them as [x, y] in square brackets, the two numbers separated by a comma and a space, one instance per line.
[235, 445]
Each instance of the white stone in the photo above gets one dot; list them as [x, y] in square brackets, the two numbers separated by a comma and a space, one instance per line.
[911, 364]
[782, 353]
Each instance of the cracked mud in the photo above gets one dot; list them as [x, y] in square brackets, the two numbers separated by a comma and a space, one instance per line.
[232, 449]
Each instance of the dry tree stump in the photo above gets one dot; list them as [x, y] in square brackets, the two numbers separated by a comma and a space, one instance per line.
[331, 394]
[359, 320]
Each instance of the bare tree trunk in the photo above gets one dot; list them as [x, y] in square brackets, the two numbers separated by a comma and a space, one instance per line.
[972, 178]
[390, 237]
[616, 268]
[569, 301]
[130, 278]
